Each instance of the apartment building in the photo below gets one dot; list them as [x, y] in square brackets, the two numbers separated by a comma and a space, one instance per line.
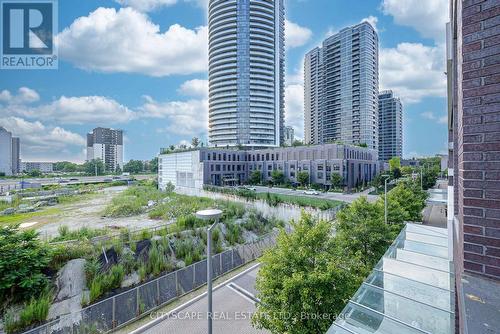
[390, 125]
[341, 89]
[246, 72]
[107, 145]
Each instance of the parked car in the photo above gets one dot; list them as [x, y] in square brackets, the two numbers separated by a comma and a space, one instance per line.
[73, 179]
[108, 180]
[252, 188]
[311, 192]
[116, 177]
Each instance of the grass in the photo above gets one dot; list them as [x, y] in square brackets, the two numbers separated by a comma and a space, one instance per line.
[132, 201]
[22, 217]
[275, 199]
[318, 203]
[34, 312]
[84, 233]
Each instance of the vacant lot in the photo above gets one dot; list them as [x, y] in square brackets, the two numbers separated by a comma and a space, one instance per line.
[82, 211]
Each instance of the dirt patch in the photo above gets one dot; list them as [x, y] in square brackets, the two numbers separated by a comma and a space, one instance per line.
[87, 213]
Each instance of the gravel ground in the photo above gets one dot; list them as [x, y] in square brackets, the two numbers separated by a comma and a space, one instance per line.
[87, 213]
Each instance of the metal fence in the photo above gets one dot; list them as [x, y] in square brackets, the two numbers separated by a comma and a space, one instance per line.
[128, 306]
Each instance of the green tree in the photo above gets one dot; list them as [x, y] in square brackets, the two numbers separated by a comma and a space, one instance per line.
[34, 173]
[303, 274]
[65, 166]
[362, 232]
[336, 180]
[410, 200]
[90, 167]
[395, 162]
[24, 257]
[153, 165]
[406, 170]
[134, 167]
[255, 177]
[297, 143]
[303, 178]
[195, 142]
[278, 176]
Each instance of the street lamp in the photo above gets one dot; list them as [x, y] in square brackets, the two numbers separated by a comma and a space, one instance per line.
[208, 215]
[385, 196]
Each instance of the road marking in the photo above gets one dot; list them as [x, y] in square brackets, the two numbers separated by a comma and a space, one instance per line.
[243, 293]
[156, 321]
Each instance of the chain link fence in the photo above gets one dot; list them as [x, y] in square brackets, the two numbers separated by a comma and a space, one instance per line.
[128, 306]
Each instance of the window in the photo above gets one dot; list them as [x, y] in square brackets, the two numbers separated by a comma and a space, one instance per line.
[217, 168]
[292, 174]
[321, 167]
[269, 167]
[320, 175]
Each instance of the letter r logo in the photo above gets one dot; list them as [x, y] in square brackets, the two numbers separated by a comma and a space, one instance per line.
[27, 27]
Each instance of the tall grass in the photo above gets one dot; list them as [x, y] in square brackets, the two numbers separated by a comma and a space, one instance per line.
[34, 312]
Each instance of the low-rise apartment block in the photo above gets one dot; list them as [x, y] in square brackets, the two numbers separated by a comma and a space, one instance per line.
[214, 166]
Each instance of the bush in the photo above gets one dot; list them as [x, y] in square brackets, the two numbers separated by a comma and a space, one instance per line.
[60, 254]
[24, 257]
[95, 290]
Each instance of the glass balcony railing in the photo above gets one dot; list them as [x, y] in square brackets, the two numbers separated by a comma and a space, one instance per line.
[410, 290]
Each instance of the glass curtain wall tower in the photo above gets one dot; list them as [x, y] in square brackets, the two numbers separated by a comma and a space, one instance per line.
[246, 72]
[341, 88]
[390, 111]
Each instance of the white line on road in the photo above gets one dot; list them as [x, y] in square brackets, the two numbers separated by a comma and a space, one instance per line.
[156, 321]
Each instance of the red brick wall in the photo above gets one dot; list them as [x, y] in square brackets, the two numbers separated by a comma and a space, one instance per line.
[478, 139]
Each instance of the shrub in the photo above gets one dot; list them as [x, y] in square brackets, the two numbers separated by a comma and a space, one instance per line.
[92, 269]
[60, 254]
[115, 277]
[24, 257]
[233, 234]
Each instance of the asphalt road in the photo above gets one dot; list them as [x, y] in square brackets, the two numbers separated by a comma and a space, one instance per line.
[233, 304]
[7, 184]
[349, 198]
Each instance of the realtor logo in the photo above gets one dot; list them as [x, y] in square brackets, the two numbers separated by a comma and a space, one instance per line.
[28, 30]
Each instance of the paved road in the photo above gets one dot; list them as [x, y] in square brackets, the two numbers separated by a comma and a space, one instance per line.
[349, 198]
[233, 303]
[7, 184]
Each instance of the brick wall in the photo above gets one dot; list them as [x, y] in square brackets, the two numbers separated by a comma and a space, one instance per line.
[478, 139]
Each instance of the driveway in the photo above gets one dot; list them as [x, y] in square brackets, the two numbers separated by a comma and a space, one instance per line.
[233, 304]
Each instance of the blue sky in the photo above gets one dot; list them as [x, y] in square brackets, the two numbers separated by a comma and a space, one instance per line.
[140, 65]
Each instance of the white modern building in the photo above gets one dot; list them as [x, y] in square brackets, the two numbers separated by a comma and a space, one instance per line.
[5, 152]
[44, 167]
[246, 72]
[341, 89]
[390, 115]
[215, 166]
[106, 145]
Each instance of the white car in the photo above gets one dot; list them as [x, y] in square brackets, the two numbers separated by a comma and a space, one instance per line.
[251, 188]
[311, 192]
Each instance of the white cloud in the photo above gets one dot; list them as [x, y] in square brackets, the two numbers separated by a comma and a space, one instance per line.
[74, 110]
[146, 5]
[39, 141]
[24, 95]
[151, 5]
[373, 20]
[183, 117]
[413, 71]
[296, 35]
[127, 41]
[294, 108]
[195, 88]
[428, 17]
[431, 116]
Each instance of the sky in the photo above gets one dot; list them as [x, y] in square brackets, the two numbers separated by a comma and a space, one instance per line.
[141, 66]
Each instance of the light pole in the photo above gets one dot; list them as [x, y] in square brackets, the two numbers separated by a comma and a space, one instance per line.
[386, 177]
[208, 215]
